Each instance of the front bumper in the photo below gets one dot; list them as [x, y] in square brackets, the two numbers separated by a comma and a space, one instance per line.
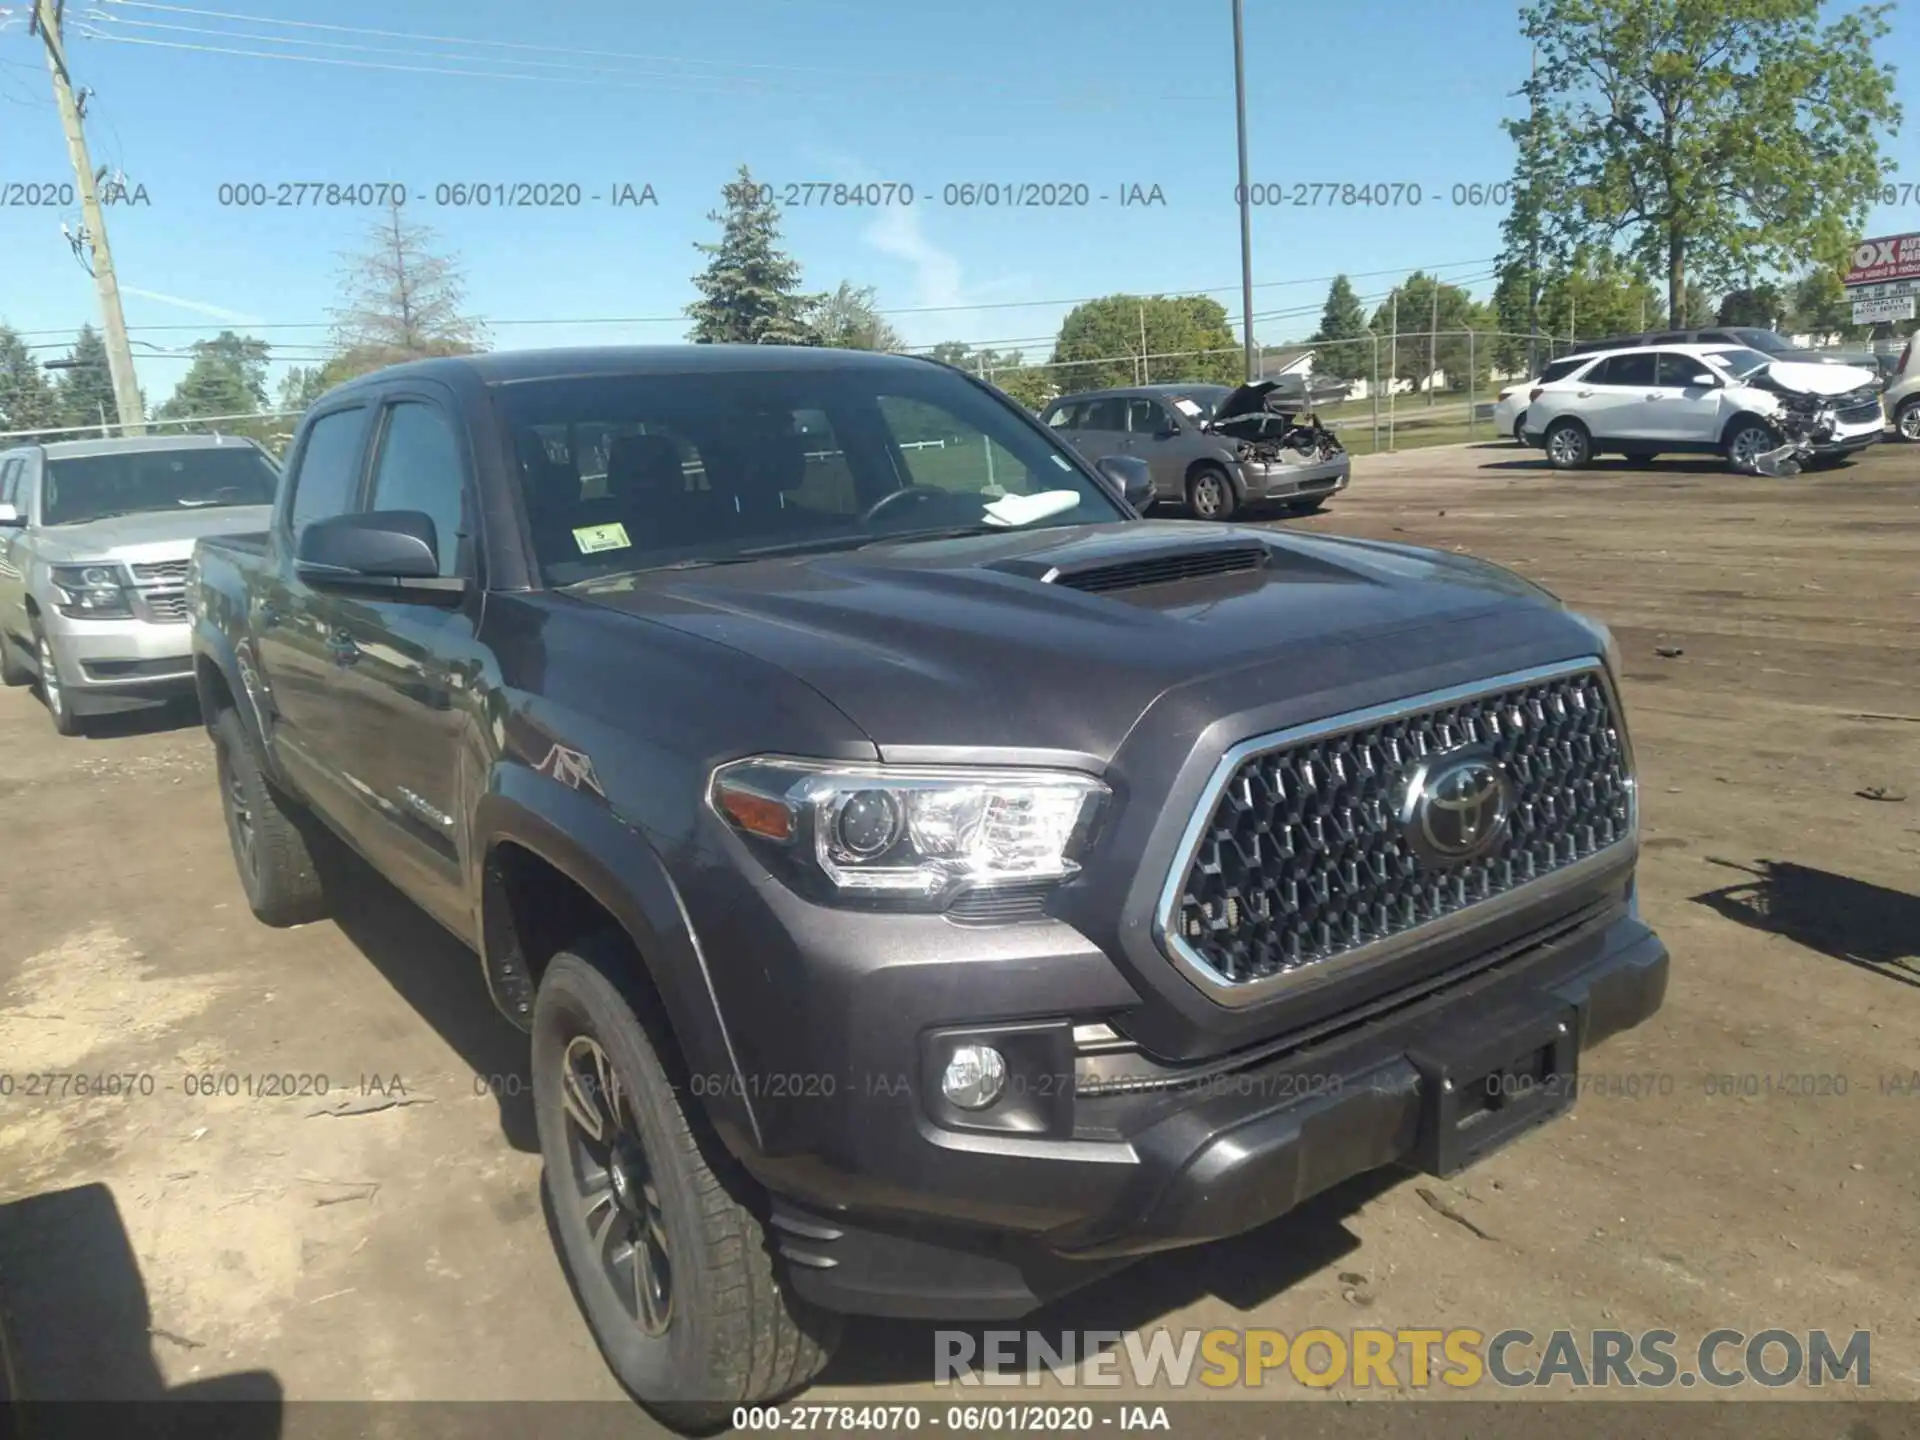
[1849, 438]
[1296, 482]
[110, 664]
[934, 1220]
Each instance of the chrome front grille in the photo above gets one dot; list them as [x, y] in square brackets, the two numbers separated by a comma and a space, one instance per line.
[167, 607]
[173, 572]
[1300, 855]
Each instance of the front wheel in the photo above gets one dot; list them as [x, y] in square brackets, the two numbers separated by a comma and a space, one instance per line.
[52, 691]
[1569, 447]
[1210, 494]
[673, 1271]
[1747, 442]
[1906, 420]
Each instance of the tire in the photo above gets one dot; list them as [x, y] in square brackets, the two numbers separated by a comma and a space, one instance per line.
[1210, 494]
[268, 832]
[1519, 430]
[694, 1321]
[1568, 445]
[1746, 439]
[13, 673]
[52, 693]
[1906, 420]
[1639, 459]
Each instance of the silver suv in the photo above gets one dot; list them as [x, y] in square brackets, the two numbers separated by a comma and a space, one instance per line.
[1212, 448]
[95, 538]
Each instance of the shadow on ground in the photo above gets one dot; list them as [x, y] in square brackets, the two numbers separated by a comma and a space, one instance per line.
[1857, 923]
[77, 1334]
[150, 720]
[438, 976]
[1245, 1271]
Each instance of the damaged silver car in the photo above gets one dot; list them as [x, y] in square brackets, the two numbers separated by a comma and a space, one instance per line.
[1212, 448]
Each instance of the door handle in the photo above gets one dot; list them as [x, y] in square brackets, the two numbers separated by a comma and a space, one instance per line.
[1584, 394]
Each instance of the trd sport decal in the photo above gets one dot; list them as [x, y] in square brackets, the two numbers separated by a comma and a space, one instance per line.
[572, 768]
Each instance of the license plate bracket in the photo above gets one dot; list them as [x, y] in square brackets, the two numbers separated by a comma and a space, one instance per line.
[1484, 1089]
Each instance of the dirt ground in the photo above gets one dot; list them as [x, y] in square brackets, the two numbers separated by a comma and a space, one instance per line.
[386, 1240]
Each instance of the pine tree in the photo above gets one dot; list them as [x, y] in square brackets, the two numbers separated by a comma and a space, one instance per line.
[401, 301]
[1342, 318]
[750, 291]
[85, 387]
[228, 377]
[27, 401]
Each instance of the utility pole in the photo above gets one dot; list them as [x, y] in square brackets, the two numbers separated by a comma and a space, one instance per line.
[1246, 200]
[126, 389]
[1146, 374]
[1533, 207]
[1433, 341]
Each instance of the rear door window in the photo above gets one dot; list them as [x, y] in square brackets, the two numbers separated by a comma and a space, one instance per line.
[1635, 368]
[1107, 414]
[1146, 417]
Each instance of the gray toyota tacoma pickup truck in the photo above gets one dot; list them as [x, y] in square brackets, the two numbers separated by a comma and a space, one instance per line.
[927, 884]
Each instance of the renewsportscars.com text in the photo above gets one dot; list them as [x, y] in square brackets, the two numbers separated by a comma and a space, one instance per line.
[1404, 1359]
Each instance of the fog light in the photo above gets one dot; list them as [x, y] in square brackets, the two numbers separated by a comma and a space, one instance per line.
[975, 1077]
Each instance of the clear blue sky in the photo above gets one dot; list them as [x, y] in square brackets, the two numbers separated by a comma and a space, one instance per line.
[1109, 93]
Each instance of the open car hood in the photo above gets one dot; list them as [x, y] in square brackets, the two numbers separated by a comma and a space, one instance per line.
[1248, 399]
[1815, 377]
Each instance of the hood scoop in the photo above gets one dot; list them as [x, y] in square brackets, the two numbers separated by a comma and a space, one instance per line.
[1170, 567]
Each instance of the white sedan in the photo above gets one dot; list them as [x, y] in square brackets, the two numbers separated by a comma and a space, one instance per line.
[1701, 399]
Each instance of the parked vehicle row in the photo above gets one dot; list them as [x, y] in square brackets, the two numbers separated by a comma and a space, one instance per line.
[1211, 448]
[927, 883]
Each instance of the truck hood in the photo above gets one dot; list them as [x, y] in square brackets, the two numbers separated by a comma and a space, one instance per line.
[1046, 639]
[1819, 377]
[150, 537]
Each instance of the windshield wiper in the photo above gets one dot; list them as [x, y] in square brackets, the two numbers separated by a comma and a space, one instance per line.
[942, 532]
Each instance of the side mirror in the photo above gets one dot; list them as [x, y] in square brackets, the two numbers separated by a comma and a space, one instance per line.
[394, 553]
[11, 518]
[1129, 473]
[1168, 433]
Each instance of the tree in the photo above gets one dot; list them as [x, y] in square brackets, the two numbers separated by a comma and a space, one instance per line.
[1696, 310]
[1817, 305]
[27, 401]
[1112, 341]
[400, 300]
[1342, 318]
[1598, 295]
[1760, 305]
[848, 320]
[228, 376]
[301, 386]
[1432, 318]
[750, 291]
[1529, 251]
[85, 386]
[1711, 139]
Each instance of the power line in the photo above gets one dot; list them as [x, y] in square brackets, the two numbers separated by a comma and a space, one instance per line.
[519, 45]
[681, 319]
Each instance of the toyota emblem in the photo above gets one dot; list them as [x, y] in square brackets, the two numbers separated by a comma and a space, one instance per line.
[1457, 807]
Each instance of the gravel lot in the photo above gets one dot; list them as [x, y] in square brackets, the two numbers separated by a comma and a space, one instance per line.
[1773, 680]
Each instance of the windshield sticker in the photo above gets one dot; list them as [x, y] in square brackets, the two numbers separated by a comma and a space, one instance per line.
[1186, 406]
[592, 539]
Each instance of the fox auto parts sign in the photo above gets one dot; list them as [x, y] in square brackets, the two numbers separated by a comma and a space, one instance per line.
[1894, 257]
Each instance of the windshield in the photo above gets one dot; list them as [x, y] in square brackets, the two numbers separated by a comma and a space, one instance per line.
[634, 472]
[80, 488]
[1764, 340]
[1200, 403]
[1740, 363]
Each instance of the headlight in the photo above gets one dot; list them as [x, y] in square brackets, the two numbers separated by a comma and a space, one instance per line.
[910, 834]
[92, 592]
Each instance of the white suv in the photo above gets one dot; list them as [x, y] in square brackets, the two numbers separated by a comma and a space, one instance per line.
[1705, 399]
